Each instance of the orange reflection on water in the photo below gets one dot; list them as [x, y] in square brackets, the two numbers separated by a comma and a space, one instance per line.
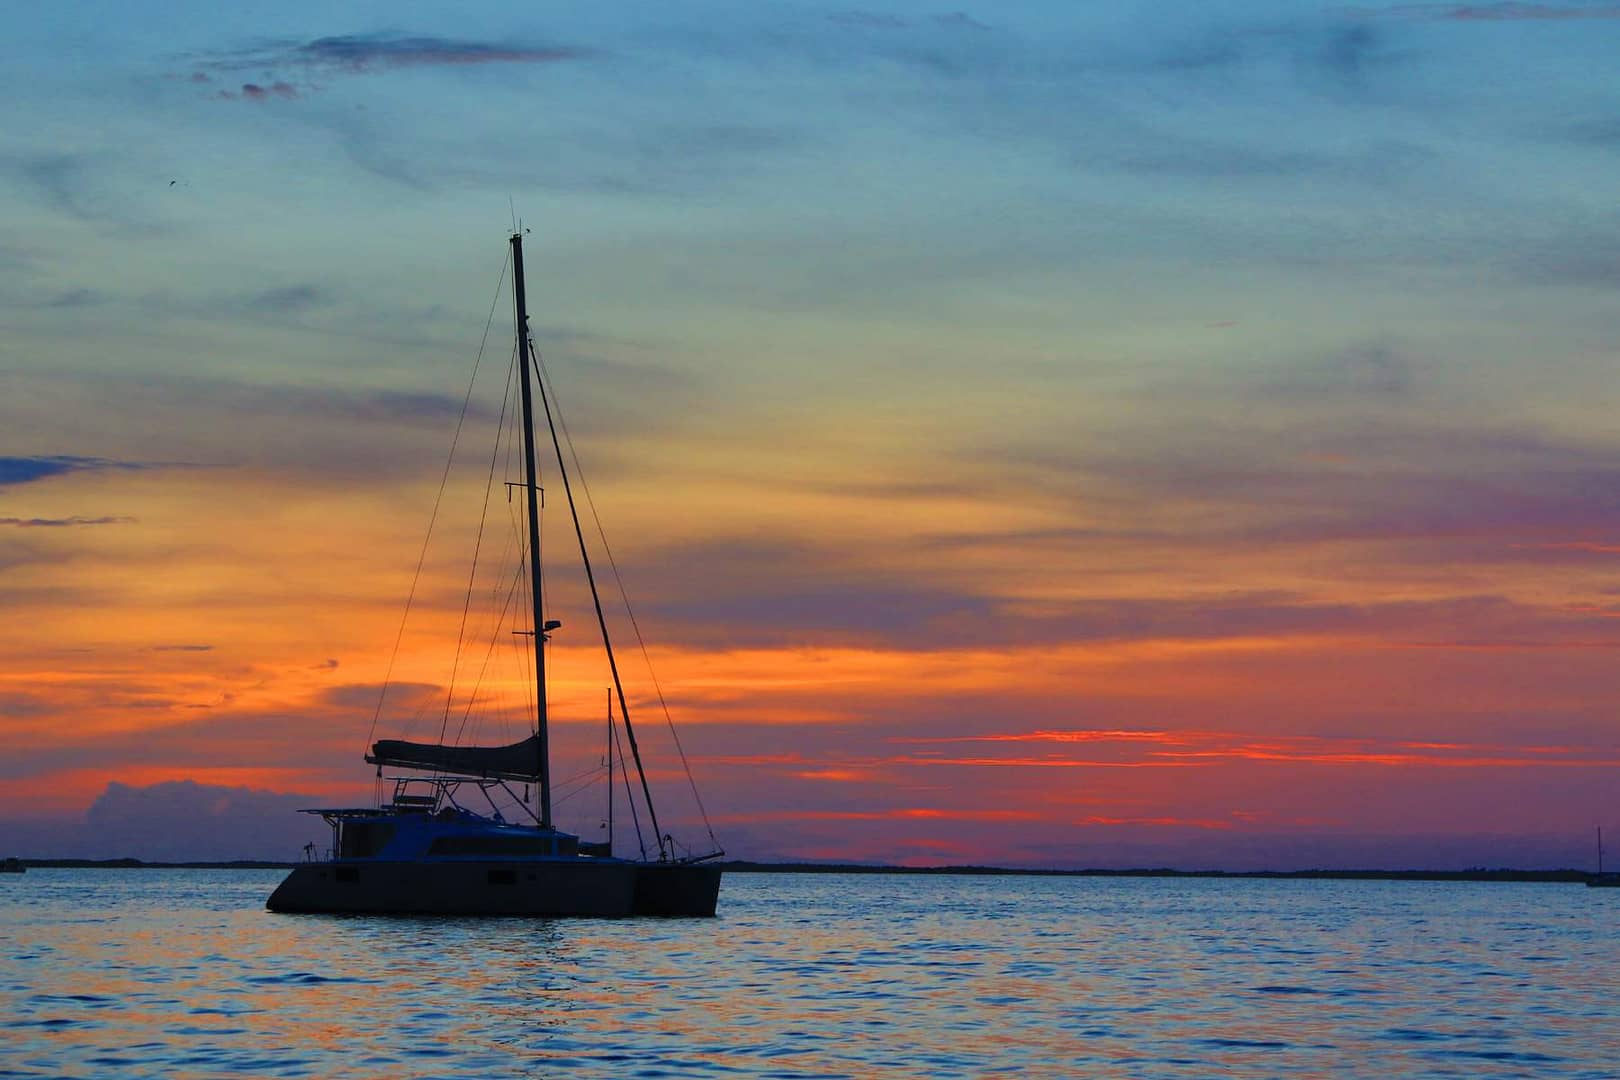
[184, 974]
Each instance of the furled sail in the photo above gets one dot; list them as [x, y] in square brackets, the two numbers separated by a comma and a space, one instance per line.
[519, 761]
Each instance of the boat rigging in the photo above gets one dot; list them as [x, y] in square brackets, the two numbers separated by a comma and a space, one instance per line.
[421, 849]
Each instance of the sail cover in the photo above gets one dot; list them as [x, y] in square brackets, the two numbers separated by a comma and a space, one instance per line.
[520, 761]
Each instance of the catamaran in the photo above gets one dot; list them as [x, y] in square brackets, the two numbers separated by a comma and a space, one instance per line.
[439, 840]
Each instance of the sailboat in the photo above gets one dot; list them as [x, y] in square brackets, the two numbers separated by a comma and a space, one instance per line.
[425, 850]
[1601, 880]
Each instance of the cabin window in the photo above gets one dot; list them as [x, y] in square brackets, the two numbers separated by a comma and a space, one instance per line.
[502, 877]
[362, 839]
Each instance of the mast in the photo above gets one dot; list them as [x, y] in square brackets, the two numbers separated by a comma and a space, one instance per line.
[532, 485]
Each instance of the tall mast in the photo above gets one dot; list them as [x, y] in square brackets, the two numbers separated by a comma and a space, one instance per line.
[533, 487]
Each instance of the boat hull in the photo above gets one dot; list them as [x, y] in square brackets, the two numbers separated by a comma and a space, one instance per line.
[550, 888]
[675, 889]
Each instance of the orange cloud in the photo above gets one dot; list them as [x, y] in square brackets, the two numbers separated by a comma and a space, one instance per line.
[1043, 762]
[901, 814]
[1215, 745]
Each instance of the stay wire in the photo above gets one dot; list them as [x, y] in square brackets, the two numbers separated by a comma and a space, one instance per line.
[489, 653]
[630, 795]
[438, 499]
[624, 598]
[498, 604]
[472, 573]
[577, 786]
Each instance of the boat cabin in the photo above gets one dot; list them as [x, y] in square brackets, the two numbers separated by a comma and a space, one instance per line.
[423, 821]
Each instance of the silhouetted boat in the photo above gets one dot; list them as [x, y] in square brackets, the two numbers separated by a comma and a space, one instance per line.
[1600, 880]
[423, 851]
[12, 866]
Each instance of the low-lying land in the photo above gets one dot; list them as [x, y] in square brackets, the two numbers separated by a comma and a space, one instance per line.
[744, 867]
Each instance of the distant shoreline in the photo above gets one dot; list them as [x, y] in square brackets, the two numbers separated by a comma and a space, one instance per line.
[744, 867]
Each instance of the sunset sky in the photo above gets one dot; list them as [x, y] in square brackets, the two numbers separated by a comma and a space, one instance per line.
[1049, 434]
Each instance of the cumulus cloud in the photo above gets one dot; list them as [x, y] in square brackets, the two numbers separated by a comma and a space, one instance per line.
[176, 821]
[181, 820]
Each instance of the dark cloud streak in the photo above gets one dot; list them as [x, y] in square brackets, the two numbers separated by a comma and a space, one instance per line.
[59, 523]
[1499, 12]
[289, 300]
[754, 594]
[363, 54]
[27, 470]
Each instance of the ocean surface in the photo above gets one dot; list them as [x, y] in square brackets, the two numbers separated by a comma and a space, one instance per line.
[182, 973]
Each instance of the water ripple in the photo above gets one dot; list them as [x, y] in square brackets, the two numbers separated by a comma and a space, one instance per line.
[183, 974]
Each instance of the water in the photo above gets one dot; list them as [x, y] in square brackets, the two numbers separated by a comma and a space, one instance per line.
[183, 974]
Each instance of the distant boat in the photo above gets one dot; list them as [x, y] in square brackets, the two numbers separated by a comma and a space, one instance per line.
[1600, 880]
[12, 866]
[422, 851]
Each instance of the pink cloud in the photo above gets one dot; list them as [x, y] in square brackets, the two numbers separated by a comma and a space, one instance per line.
[1205, 747]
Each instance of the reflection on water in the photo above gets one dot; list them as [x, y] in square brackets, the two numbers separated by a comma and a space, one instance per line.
[183, 974]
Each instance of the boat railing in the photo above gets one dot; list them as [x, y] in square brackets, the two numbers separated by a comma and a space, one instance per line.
[430, 794]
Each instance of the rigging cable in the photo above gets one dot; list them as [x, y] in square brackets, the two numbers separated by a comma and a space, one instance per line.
[472, 572]
[624, 598]
[630, 796]
[525, 660]
[596, 601]
[410, 597]
[489, 653]
[577, 785]
[502, 590]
